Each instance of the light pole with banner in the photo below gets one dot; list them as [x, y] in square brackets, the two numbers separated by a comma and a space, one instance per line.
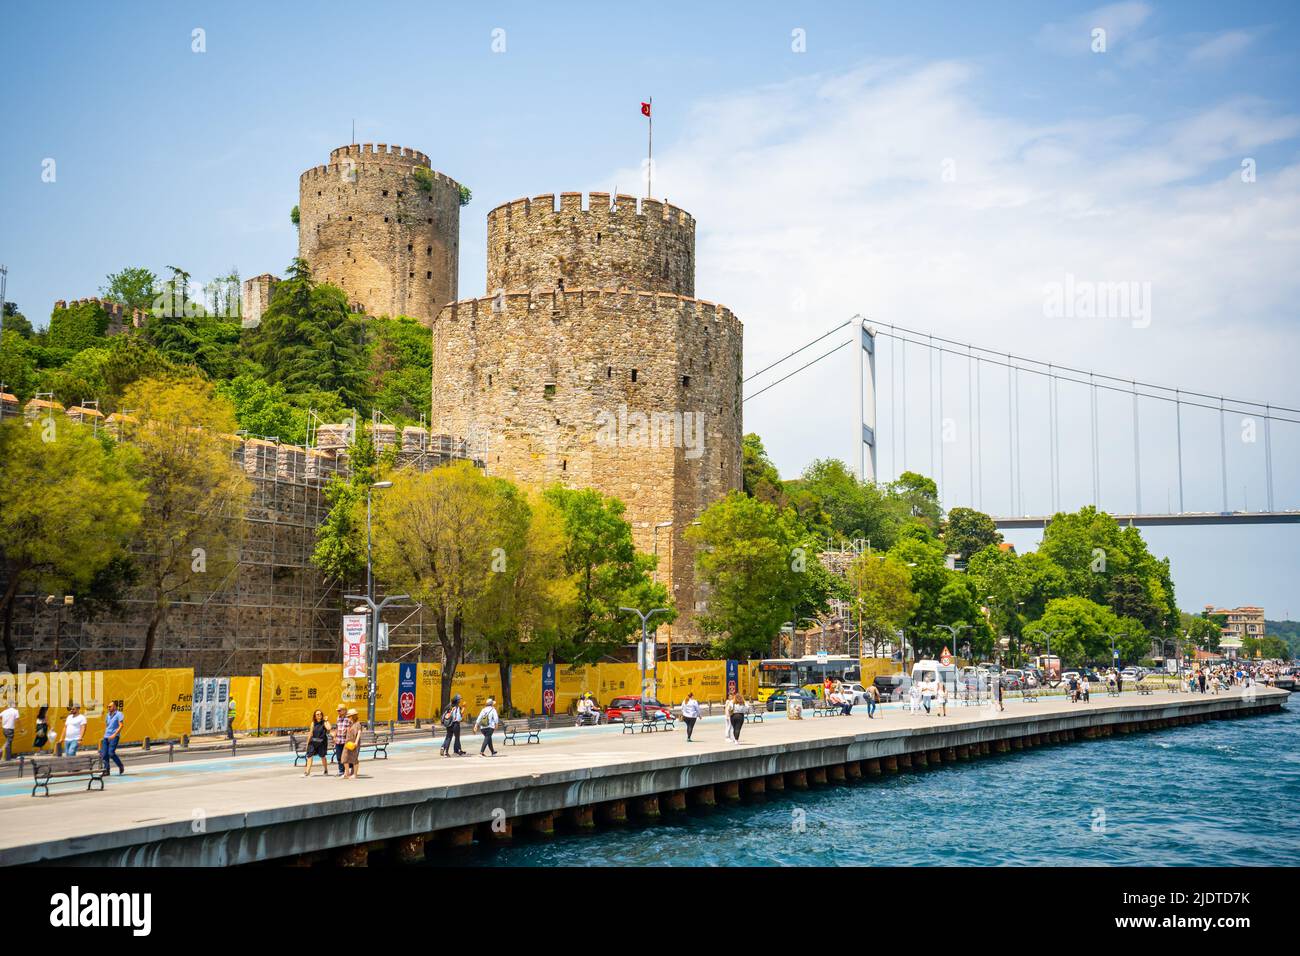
[375, 610]
[645, 620]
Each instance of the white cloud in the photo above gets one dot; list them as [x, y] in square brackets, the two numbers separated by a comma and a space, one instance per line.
[1222, 47]
[1073, 37]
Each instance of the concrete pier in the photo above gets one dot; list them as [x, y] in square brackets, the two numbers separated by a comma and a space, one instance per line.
[236, 810]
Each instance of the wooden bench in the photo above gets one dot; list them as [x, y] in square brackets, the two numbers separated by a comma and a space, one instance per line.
[48, 770]
[531, 728]
[754, 716]
[647, 722]
[821, 708]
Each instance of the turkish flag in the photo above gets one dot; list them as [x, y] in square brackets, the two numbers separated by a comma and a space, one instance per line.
[645, 109]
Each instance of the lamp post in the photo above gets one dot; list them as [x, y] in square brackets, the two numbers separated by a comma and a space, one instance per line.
[375, 610]
[953, 630]
[645, 620]
[1048, 662]
[67, 601]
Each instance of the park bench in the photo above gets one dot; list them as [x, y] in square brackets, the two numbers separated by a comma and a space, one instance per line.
[48, 770]
[754, 716]
[647, 722]
[1143, 688]
[377, 744]
[531, 728]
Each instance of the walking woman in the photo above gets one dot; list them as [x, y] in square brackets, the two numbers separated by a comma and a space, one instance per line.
[738, 711]
[997, 690]
[351, 747]
[318, 743]
[942, 697]
[451, 719]
[690, 714]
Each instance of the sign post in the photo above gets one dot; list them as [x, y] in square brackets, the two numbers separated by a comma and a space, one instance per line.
[406, 692]
[354, 647]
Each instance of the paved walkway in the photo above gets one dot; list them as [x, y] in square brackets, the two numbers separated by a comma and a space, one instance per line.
[191, 791]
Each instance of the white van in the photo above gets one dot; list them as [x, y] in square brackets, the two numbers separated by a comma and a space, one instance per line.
[923, 671]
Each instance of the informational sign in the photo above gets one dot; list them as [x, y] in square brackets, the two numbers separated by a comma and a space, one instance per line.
[548, 688]
[733, 678]
[946, 657]
[209, 713]
[354, 647]
[406, 692]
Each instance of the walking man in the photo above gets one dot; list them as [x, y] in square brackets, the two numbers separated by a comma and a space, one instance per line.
[9, 722]
[487, 719]
[873, 697]
[341, 726]
[997, 691]
[73, 728]
[113, 721]
[451, 719]
[690, 714]
[230, 719]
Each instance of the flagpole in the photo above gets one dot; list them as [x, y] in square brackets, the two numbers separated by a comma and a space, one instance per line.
[650, 150]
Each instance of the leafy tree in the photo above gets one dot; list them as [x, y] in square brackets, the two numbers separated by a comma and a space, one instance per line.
[883, 600]
[1080, 631]
[401, 367]
[854, 509]
[80, 380]
[134, 287]
[1003, 584]
[15, 321]
[967, 531]
[530, 595]
[759, 476]
[17, 363]
[196, 493]
[946, 597]
[340, 550]
[435, 538]
[915, 498]
[608, 572]
[1199, 629]
[308, 340]
[264, 408]
[295, 216]
[68, 508]
[755, 562]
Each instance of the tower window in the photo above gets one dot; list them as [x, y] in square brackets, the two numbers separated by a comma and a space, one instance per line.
[686, 381]
[428, 251]
[399, 194]
[489, 379]
[428, 275]
[410, 275]
[609, 371]
[564, 465]
[634, 375]
[548, 391]
[385, 192]
[597, 238]
[410, 247]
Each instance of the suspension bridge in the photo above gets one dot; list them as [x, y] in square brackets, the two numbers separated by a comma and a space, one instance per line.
[987, 417]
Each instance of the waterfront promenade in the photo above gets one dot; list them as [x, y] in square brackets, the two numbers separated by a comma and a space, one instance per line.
[234, 810]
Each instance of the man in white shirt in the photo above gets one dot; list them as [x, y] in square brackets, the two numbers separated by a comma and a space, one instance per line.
[487, 719]
[9, 721]
[73, 729]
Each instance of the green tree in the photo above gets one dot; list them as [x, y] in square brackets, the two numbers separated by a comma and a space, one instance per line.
[967, 531]
[608, 572]
[757, 566]
[69, 505]
[401, 367]
[78, 326]
[134, 287]
[197, 495]
[947, 598]
[80, 380]
[17, 363]
[1080, 631]
[855, 509]
[15, 321]
[883, 600]
[759, 476]
[915, 498]
[340, 550]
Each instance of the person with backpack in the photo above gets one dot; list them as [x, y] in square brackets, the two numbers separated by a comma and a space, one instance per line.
[451, 718]
[487, 719]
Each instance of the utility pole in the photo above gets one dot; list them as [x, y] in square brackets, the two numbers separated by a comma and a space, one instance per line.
[4, 292]
[645, 619]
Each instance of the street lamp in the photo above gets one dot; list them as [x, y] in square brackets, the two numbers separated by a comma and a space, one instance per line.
[1048, 662]
[375, 611]
[953, 630]
[67, 601]
[645, 619]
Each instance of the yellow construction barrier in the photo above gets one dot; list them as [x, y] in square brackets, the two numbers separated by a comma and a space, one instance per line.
[155, 702]
[245, 691]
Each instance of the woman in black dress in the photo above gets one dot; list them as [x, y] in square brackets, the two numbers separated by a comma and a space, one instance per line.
[318, 743]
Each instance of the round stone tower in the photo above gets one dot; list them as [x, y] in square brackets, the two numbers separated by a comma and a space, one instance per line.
[617, 380]
[381, 225]
[534, 246]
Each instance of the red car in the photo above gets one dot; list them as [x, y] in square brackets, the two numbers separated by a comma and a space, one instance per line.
[621, 708]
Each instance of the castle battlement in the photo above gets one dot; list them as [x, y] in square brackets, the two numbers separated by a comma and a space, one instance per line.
[618, 300]
[119, 316]
[597, 205]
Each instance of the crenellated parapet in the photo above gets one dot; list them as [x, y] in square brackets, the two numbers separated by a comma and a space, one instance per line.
[592, 242]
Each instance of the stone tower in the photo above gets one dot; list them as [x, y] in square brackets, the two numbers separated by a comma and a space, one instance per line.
[590, 364]
[378, 223]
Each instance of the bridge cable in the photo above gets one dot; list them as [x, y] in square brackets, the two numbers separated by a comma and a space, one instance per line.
[797, 371]
[796, 352]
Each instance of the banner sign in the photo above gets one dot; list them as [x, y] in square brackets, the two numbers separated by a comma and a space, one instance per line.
[548, 688]
[406, 692]
[210, 707]
[733, 678]
[354, 646]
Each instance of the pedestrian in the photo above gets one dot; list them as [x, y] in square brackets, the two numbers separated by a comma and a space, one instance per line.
[690, 714]
[913, 697]
[942, 696]
[9, 721]
[341, 725]
[451, 718]
[73, 727]
[1084, 689]
[873, 698]
[1200, 677]
[997, 692]
[738, 711]
[351, 745]
[729, 707]
[927, 693]
[42, 736]
[113, 721]
[1119, 682]
[487, 719]
[318, 743]
[231, 710]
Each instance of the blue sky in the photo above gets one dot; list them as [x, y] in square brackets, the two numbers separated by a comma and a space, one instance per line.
[815, 178]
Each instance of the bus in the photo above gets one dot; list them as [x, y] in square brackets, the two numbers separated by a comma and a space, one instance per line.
[808, 672]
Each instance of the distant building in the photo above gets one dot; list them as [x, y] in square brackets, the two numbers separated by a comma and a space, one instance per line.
[1242, 622]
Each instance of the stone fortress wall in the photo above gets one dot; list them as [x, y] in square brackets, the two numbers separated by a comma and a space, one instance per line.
[367, 226]
[590, 364]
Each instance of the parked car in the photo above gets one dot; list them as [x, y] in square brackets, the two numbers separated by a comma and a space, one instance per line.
[778, 699]
[893, 686]
[857, 690]
[1013, 680]
[622, 708]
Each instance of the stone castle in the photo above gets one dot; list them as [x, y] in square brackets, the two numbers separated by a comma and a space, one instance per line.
[589, 362]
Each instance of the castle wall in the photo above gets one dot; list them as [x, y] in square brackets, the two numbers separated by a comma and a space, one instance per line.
[644, 245]
[256, 297]
[367, 226]
[547, 382]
